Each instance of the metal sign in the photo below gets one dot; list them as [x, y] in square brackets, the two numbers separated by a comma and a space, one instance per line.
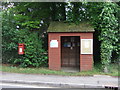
[54, 44]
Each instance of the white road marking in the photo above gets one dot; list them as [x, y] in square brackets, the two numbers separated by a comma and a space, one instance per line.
[101, 76]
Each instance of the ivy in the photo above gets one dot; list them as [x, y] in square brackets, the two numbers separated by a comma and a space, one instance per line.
[109, 31]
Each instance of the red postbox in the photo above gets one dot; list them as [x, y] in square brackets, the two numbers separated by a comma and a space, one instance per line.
[21, 48]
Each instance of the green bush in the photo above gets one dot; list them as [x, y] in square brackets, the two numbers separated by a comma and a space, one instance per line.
[35, 55]
[9, 45]
[34, 51]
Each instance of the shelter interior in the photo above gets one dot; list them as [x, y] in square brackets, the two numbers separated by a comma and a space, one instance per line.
[70, 53]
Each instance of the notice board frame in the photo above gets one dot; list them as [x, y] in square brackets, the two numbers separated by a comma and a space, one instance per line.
[89, 49]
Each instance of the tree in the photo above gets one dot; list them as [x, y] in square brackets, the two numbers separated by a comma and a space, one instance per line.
[9, 45]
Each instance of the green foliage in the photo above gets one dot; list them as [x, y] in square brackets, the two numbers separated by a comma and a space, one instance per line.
[33, 16]
[9, 45]
[57, 11]
[35, 54]
[34, 51]
[109, 32]
[31, 29]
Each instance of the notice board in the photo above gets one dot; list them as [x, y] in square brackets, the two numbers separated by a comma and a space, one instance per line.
[86, 46]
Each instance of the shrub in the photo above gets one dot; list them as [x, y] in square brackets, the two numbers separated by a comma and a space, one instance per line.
[34, 51]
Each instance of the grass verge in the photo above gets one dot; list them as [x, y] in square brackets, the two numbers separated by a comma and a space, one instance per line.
[96, 70]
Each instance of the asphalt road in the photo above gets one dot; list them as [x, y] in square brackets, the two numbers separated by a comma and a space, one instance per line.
[11, 85]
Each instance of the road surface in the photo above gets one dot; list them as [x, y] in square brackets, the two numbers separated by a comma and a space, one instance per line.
[12, 85]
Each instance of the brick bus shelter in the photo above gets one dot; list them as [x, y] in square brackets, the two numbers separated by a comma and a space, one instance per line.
[70, 46]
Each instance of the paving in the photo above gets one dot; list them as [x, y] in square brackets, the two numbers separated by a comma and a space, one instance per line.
[96, 81]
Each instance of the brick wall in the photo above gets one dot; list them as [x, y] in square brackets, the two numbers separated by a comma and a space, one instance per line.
[54, 54]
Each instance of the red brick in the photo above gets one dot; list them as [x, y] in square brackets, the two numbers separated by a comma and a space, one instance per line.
[54, 54]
